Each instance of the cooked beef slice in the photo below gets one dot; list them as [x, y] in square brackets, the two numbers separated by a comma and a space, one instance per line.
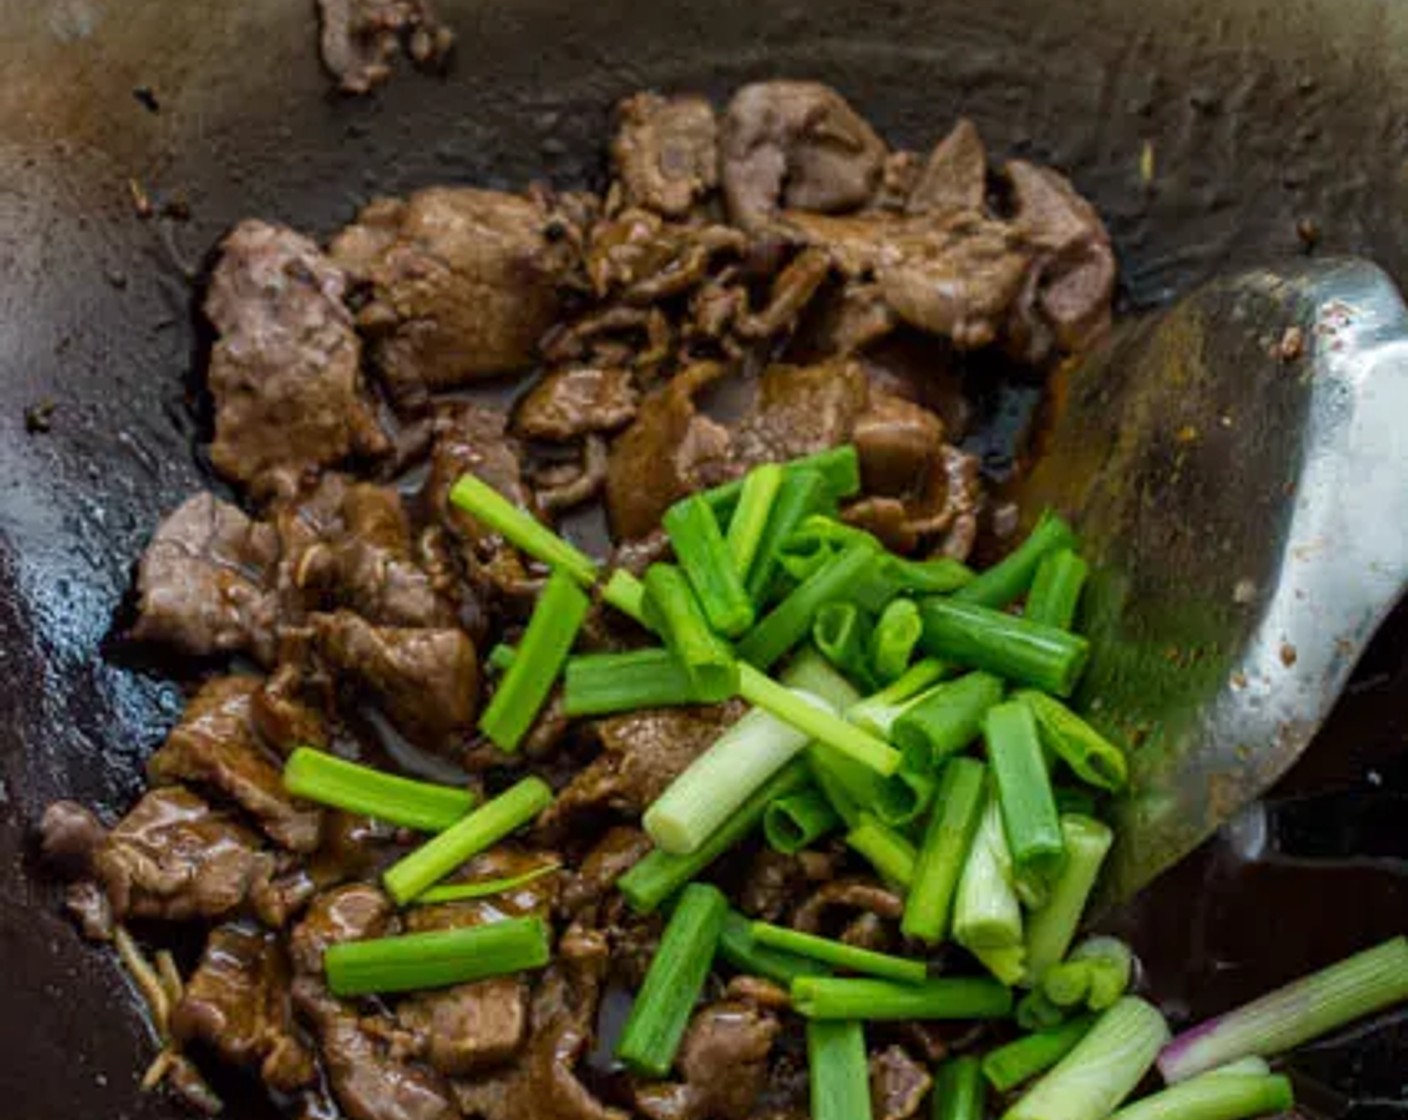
[564, 485]
[359, 39]
[535, 898]
[618, 850]
[369, 1078]
[801, 410]
[204, 583]
[348, 544]
[946, 501]
[216, 744]
[641, 753]
[797, 145]
[955, 177]
[665, 153]
[572, 401]
[469, 1027]
[425, 681]
[285, 369]
[863, 895]
[791, 294]
[237, 1001]
[69, 835]
[774, 881]
[639, 258]
[289, 711]
[173, 857]
[898, 1084]
[352, 912]
[462, 283]
[898, 444]
[723, 1060]
[669, 451]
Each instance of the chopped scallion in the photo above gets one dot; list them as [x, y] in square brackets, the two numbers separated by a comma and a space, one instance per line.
[750, 516]
[318, 776]
[836, 997]
[1051, 929]
[1010, 1065]
[888, 852]
[799, 820]
[949, 836]
[1056, 588]
[893, 641]
[944, 720]
[742, 951]
[839, 1076]
[673, 611]
[521, 529]
[709, 566]
[1006, 581]
[597, 684]
[1011, 647]
[437, 958]
[1024, 791]
[841, 955]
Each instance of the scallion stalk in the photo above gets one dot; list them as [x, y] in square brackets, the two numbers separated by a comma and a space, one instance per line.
[750, 516]
[1024, 794]
[487, 825]
[484, 888]
[852, 788]
[1289, 1016]
[597, 684]
[318, 776]
[799, 820]
[552, 629]
[1055, 592]
[986, 913]
[1006, 581]
[674, 612]
[739, 948]
[1007, 964]
[1051, 929]
[842, 632]
[877, 713]
[802, 492]
[709, 565]
[676, 976]
[1010, 1065]
[1092, 758]
[841, 955]
[888, 852]
[501, 657]
[521, 529]
[1215, 1096]
[839, 468]
[1096, 973]
[1036, 1012]
[839, 1077]
[436, 959]
[1011, 647]
[944, 720]
[958, 1089]
[836, 997]
[811, 672]
[1101, 1070]
[949, 836]
[626, 593]
[902, 798]
[894, 639]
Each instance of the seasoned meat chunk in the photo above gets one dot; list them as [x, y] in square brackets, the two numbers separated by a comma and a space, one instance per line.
[569, 403]
[566, 484]
[955, 177]
[666, 152]
[425, 681]
[898, 1084]
[347, 913]
[801, 410]
[204, 584]
[723, 1060]
[534, 898]
[469, 1027]
[285, 370]
[360, 38]
[847, 894]
[641, 259]
[462, 284]
[798, 145]
[173, 857]
[611, 857]
[216, 744]
[898, 443]
[669, 451]
[237, 1001]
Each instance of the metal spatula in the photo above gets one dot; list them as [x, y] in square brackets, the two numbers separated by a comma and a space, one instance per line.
[1238, 470]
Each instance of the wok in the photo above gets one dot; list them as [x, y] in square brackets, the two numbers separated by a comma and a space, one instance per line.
[1253, 116]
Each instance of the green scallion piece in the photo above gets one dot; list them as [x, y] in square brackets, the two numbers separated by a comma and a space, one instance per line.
[436, 959]
[958, 1089]
[839, 1076]
[1052, 928]
[1011, 647]
[888, 852]
[894, 639]
[657, 876]
[839, 468]
[850, 787]
[1008, 580]
[1074, 799]
[552, 629]
[942, 722]
[662, 1008]
[797, 821]
[501, 657]
[1215, 1096]
[836, 997]
[1055, 592]
[986, 913]
[597, 684]
[484, 888]
[673, 611]
[877, 713]
[717, 783]
[738, 947]
[789, 622]
[709, 566]
[521, 529]
[838, 953]
[949, 836]
[1019, 772]
[1302, 1010]
[1092, 758]
[318, 776]
[811, 672]
[1009, 1066]
[802, 492]
[487, 825]
[626, 593]
[1097, 972]
[902, 798]
[1036, 1012]
[842, 632]
[750, 516]
[1101, 1070]
[892, 576]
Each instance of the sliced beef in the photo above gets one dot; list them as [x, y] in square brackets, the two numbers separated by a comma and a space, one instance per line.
[791, 294]
[534, 898]
[348, 913]
[216, 744]
[847, 895]
[426, 681]
[665, 152]
[898, 444]
[564, 485]
[361, 38]
[290, 711]
[237, 1002]
[370, 1080]
[798, 145]
[641, 754]
[204, 584]
[470, 1027]
[640, 258]
[618, 850]
[955, 177]
[285, 370]
[571, 402]
[462, 283]
[801, 410]
[775, 881]
[173, 857]
[898, 1084]
[723, 1060]
[669, 451]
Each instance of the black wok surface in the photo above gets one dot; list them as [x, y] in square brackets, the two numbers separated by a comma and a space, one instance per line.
[1257, 116]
